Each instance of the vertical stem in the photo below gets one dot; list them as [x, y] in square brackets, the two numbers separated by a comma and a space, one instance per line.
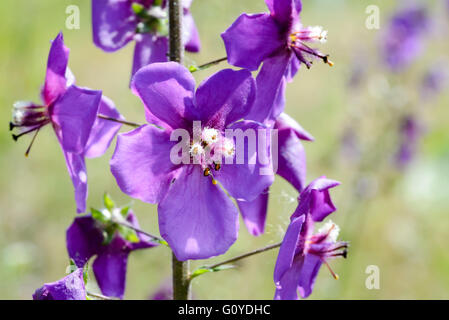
[175, 23]
[180, 269]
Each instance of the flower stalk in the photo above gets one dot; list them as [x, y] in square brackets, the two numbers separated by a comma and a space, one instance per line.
[180, 269]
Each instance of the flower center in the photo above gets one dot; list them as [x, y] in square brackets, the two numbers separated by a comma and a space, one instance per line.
[27, 118]
[324, 244]
[298, 40]
[153, 20]
[210, 150]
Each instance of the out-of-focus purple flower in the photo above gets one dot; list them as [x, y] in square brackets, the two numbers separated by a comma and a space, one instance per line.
[404, 38]
[115, 23]
[279, 41]
[110, 242]
[350, 145]
[72, 111]
[70, 287]
[196, 217]
[411, 131]
[434, 81]
[291, 166]
[302, 252]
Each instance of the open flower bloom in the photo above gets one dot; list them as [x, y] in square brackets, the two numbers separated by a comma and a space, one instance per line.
[279, 40]
[72, 112]
[291, 165]
[404, 38]
[70, 287]
[88, 237]
[196, 216]
[302, 252]
[115, 23]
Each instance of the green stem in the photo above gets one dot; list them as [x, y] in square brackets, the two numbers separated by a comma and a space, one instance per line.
[131, 124]
[210, 64]
[180, 269]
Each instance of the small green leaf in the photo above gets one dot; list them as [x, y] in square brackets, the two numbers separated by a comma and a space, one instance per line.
[203, 270]
[86, 273]
[128, 234]
[193, 68]
[100, 215]
[108, 203]
[138, 8]
[125, 211]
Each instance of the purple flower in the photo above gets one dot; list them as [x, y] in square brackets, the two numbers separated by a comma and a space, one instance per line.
[110, 242]
[302, 252]
[291, 166]
[279, 40]
[404, 39]
[72, 111]
[196, 217]
[70, 287]
[117, 22]
[410, 133]
[434, 81]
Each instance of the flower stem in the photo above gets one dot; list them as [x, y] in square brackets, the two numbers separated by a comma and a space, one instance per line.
[210, 64]
[153, 237]
[180, 269]
[99, 296]
[245, 255]
[131, 124]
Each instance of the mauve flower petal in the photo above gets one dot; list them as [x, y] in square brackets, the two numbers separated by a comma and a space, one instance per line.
[316, 200]
[254, 213]
[141, 163]
[292, 164]
[73, 116]
[309, 271]
[110, 268]
[192, 40]
[84, 239]
[77, 171]
[113, 23]
[284, 11]
[270, 101]
[245, 179]
[103, 131]
[251, 39]
[196, 218]
[285, 122]
[293, 68]
[166, 90]
[149, 49]
[70, 287]
[225, 97]
[288, 248]
[287, 287]
[55, 78]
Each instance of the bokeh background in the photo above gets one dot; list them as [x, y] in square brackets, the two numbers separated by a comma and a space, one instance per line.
[396, 219]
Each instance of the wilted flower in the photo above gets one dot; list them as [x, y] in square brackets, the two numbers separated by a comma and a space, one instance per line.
[115, 23]
[196, 217]
[70, 287]
[281, 42]
[101, 234]
[291, 166]
[72, 112]
[404, 39]
[302, 252]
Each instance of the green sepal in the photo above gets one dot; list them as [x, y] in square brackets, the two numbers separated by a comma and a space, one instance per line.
[138, 9]
[128, 234]
[86, 273]
[100, 215]
[108, 202]
[193, 68]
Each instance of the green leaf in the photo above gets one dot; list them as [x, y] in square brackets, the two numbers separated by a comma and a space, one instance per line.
[108, 203]
[203, 270]
[125, 211]
[138, 8]
[86, 273]
[128, 234]
[100, 215]
[193, 68]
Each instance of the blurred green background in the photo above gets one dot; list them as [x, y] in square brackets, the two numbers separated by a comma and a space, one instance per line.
[398, 221]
